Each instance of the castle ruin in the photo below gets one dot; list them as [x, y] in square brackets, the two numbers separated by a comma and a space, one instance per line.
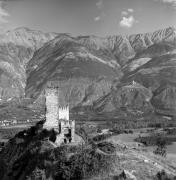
[57, 115]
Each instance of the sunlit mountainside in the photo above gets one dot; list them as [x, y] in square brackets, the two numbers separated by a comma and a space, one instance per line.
[95, 73]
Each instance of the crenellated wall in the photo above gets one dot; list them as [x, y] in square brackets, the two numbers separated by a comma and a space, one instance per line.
[64, 112]
[57, 116]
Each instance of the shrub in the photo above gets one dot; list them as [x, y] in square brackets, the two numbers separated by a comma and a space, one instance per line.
[101, 137]
[162, 175]
[155, 139]
[116, 131]
[36, 154]
[161, 147]
[52, 136]
[131, 131]
[155, 125]
[84, 163]
[98, 130]
[170, 131]
[107, 147]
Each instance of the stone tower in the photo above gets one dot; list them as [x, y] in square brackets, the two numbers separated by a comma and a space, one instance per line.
[134, 83]
[57, 117]
[52, 104]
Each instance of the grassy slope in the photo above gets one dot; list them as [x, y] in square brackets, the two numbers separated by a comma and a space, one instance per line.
[143, 165]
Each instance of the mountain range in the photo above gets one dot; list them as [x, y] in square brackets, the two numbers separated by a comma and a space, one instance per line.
[135, 73]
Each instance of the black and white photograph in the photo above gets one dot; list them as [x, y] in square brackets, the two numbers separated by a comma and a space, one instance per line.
[87, 89]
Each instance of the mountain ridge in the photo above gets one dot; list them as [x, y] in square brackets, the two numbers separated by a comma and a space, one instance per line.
[30, 58]
[16, 49]
[112, 54]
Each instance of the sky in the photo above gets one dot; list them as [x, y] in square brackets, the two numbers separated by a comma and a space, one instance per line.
[88, 17]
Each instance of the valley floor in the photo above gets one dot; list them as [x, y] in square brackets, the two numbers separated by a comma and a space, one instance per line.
[138, 163]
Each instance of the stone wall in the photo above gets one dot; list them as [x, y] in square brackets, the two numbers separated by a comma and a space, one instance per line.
[52, 105]
[57, 116]
[64, 112]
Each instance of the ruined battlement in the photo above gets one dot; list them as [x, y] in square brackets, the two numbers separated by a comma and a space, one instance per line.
[52, 85]
[64, 112]
[64, 107]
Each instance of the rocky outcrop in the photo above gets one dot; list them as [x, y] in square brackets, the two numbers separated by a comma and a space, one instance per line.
[131, 97]
[164, 100]
[158, 75]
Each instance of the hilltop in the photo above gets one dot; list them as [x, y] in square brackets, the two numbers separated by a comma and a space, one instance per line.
[32, 153]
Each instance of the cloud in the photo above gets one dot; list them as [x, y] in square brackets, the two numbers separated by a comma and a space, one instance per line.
[97, 18]
[130, 10]
[124, 13]
[171, 2]
[3, 14]
[127, 19]
[128, 22]
[127, 12]
[100, 7]
[99, 4]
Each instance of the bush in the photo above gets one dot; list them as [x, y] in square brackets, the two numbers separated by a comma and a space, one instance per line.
[107, 147]
[156, 125]
[155, 139]
[98, 130]
[170, 131]
[116, 131]
[52, 136]
[37, 154]
[101, 137]
[131, 131]
[162, 175]
[84, 164]
[161, 147]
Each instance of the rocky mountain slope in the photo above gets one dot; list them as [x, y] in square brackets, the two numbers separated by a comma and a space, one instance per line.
[94, 71]
[16, 49]
[158, 75]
